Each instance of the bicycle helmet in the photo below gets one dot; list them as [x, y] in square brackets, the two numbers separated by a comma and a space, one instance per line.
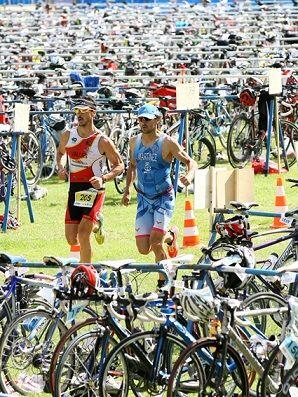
[238, 256]
[132, 94]
[247, 97]
[83, 281]
[105, 92]
[198, 304]
[232, 228]
[56, 122]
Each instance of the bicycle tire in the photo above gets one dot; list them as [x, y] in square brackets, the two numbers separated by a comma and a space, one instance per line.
[264, 300]
[126, 361]
[49, 155]
[212, 348]
[32, 158]
[239, 138]
[63, 344]
[290, 380]
[203, 152]
[120, 180]
[78, 367]
[275, 369]
[290, 136]
[23, 366]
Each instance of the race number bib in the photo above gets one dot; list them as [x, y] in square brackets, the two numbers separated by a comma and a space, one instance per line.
[289, 348]
[85, 198]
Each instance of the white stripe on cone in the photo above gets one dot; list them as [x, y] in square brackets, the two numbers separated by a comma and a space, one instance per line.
[280, 191]
[191, 231]
[281, 209]
[189, 214]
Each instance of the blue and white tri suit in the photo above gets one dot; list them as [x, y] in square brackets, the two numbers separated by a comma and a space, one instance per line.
[155, 190]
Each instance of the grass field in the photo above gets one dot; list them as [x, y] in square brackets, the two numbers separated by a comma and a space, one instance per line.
[46, 235]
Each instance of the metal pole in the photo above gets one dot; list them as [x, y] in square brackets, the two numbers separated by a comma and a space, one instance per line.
[18, 177]
[177, 162]
[186, 129]
[269, 130]
[277, 132]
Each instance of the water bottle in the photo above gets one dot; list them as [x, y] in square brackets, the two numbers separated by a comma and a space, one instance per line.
[271, 261]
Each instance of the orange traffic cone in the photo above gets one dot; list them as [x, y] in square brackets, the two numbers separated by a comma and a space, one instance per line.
[191, 233]
[280, 204]
[75, 251]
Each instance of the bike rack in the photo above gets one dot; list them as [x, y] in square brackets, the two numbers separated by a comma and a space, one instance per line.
[14, 148]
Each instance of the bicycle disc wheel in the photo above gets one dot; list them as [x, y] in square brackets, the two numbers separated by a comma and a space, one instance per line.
[31, 154]
[134, 365]
[203, 152]
[26, 349]
[239, 141]
[228, 380]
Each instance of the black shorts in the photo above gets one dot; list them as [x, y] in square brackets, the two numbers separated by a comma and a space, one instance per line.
[75, 214]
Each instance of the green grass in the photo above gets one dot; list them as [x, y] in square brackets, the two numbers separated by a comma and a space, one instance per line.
[46, 235]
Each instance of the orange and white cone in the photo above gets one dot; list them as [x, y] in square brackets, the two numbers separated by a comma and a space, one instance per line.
[280, 204]
[191, 233]
[75, 251]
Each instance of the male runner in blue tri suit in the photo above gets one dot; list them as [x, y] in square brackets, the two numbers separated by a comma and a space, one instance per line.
[151, 155]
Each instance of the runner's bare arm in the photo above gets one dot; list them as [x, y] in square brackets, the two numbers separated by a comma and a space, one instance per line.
[62, 173]
[131, 173]
[177, 151]
[107, 147]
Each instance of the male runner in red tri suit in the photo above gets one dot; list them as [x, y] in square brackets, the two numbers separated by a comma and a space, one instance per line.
[88, 151]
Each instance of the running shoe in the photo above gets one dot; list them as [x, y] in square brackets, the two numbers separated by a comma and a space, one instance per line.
[173, 248]
[98, 231]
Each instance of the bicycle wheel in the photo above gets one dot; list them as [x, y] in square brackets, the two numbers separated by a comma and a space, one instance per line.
[77, 372]
[289, 132]
[264, 322]
[32, 159]
[203, 152]
[67, 338]
[26, 349]
[239, 142]
[135, 365]
[275, 370]
[228, 380]
[49, 155]
[120, 180]
[290, 383]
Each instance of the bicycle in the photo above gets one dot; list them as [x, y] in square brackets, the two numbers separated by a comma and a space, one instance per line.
[220, 355]
[245, 142]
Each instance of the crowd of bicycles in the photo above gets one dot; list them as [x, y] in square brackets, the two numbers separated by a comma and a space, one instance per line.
[226, 325]
[103, 52]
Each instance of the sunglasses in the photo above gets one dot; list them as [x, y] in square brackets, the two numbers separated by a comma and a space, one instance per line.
[144, 119]
[81, 110]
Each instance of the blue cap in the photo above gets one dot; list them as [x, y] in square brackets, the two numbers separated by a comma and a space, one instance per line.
[149, 111]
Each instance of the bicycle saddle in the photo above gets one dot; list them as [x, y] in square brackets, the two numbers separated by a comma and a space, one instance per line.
[6, 258]
[243, 206]
[293, 267]
[116, 265]
[61, 262]
[291, 213]
[295, 181]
